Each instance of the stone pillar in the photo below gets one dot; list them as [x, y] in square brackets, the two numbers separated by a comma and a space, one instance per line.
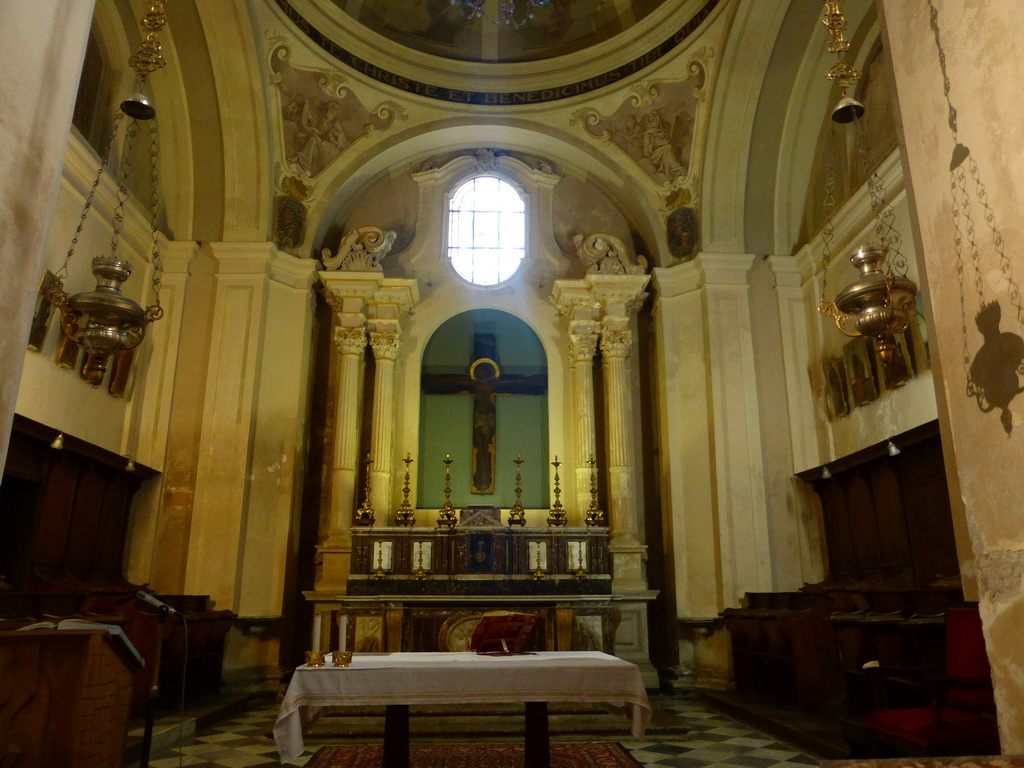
[982, 450]
[41, 50]
[583, 336]
[385, 345]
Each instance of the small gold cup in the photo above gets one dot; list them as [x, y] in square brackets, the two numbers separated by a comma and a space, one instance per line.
[341, 658]
[315, 658]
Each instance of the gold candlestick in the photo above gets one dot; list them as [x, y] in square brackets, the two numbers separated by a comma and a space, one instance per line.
[595, 515]
[406, 514]
[517, 515]
[581, 571]
[538, 575]
[379, 574]
[446, 514]
[556, 515]
[420, 573]
[364, 515]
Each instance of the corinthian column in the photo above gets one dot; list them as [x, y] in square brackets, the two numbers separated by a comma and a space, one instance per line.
[582, 345]
[350, 345]
[385, 345]
[616, 345]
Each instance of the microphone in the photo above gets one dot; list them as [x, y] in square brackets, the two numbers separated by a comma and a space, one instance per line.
[149, 597]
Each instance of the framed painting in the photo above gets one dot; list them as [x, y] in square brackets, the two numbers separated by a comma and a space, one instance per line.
[835, 386]
[901, 369]
[67, 352]
[860, 372]
[121, 371]
[42, 313]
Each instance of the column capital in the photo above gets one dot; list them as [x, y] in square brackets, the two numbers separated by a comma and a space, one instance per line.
[583, 336]
[385, 344]
[616, 343]
[350, 339]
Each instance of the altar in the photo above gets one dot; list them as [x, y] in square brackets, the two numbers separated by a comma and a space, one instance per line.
[424, 589]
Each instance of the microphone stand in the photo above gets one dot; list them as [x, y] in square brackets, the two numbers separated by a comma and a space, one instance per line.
[154, 690]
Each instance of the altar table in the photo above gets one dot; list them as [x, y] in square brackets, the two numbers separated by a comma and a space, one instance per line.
[397, 680]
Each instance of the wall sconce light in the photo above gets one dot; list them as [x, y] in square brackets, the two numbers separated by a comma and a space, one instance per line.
[825, 473]
[130, 466]
[58, 442]
[893, 450]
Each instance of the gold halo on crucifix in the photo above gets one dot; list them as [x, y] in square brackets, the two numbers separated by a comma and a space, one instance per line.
[484, 377]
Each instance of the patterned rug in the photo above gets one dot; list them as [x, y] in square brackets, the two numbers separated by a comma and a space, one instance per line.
[602, 754]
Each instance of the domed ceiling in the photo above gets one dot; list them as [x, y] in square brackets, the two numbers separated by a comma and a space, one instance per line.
[449, 28]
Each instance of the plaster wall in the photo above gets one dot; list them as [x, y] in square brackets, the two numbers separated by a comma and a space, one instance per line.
[986, 90]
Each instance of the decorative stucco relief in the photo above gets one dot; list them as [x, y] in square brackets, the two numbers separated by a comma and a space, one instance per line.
[320, 115]
[360, 250]
[655, 127]
[606, 254]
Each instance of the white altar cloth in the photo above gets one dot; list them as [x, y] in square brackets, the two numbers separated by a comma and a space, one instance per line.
[460, 678]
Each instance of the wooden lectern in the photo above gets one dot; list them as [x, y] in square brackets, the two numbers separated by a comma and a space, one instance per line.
[65, 698]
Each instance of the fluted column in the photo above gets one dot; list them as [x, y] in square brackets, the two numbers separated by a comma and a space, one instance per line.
[350, 346]
[385, 345]
[616, 345]
[583, 338]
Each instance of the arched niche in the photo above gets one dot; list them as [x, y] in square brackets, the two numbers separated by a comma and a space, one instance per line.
[483, 402]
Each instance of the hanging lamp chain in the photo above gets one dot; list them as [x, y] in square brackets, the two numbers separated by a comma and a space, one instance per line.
[841, 73]
[149, 57]
[155, 311]
[825, 306]
[62, 273]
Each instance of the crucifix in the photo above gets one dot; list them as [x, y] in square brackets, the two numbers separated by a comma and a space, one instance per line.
[484, 381]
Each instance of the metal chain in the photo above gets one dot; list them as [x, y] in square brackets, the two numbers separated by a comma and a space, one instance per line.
[828, 207]
[62, 273]
[885, 216]
[122, 183]
[155, 311]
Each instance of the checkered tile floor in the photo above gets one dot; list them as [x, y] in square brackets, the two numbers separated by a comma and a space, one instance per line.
[714, 740]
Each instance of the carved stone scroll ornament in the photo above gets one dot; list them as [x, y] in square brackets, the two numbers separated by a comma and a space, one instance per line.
[606, 254]
[360, 250]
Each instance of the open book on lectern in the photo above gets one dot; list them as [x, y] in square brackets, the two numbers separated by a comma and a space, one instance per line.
[118, 637]
[502, 632]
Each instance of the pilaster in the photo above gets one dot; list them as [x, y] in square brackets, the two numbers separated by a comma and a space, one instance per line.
[739, 468]
[223, 470]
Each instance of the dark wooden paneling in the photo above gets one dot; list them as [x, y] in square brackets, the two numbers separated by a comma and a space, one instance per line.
[887, 518]
[64, 513]
[860, 503]
[893, 539]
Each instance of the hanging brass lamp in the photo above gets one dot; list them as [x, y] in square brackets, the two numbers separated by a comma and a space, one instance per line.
[103, 321]
[878, 304]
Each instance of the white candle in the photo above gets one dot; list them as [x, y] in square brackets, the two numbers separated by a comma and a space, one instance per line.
[344, 632]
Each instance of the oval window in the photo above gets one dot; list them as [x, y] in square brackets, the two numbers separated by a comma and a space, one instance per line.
[486, 230]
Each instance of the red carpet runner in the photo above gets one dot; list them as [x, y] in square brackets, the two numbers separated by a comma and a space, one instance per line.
[605, 754]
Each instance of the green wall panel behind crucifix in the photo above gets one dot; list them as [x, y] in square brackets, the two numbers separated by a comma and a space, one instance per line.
[483, 400]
